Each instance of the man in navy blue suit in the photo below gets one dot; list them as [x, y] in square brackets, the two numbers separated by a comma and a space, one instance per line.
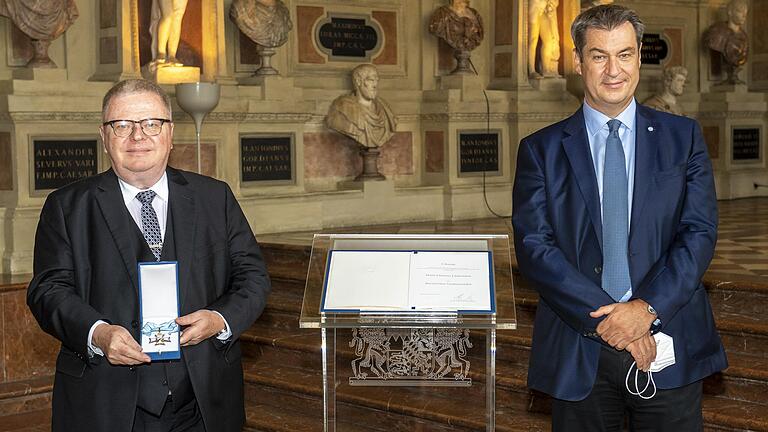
[615, 221]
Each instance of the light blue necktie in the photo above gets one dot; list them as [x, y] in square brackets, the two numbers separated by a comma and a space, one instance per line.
[149, 224]
[616, 281]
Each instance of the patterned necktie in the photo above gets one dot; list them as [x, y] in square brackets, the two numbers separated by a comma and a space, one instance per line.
[149, 224]
[616, 281]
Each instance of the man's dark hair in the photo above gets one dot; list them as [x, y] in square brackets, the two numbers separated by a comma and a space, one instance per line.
[133, 86]
[604, 17]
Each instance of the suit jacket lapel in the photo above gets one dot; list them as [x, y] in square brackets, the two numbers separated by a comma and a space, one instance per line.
[646, 145]
[182, 205]
[110, 201]
[576, 146]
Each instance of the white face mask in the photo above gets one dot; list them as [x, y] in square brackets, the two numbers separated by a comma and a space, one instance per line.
[665, 356]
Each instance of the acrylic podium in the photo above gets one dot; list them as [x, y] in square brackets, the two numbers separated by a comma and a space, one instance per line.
[408, 328]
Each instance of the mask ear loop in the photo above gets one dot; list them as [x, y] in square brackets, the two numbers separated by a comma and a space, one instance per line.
[639, 392]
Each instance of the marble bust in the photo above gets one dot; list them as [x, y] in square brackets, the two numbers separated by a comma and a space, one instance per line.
[165, 28]
[41, 20]
[674, 83]
[729, 39]
[266, 22]
[459, 25]
[362, 115]
[543, 34]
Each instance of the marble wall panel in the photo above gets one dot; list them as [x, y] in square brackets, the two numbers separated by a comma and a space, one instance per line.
[306, 16]
[6, 162]
[388, 22]
[249, 50]
[397, 155]
[330, 154]
[760, 70]
[108, 50]
[504, 33]
[760, 36]
[445, 60]
[434, 153]
[184, 156]
[712, 138]
[108, 14]
[675, 36]
[21, 48]
[29, 352]
[502, 65]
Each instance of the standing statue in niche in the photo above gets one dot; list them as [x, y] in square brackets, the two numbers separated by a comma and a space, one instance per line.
[265, 22]
[165, 28]
[461, 27]
[41, 20]
[730, 40]
[542, 26]
[674, 84]
[364, 117]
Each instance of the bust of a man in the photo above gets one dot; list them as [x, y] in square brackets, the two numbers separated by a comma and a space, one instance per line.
[674, 84]
[266, 22]
[729, 38]
[362, 115]
[459, 25]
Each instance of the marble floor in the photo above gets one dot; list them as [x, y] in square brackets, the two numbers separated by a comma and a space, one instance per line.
[741, 252]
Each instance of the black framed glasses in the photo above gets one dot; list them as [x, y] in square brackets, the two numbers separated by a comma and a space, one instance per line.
[124, 128]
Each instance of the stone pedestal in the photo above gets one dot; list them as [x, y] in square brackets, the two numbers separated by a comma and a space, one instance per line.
[729, 111]
[40, 74]
[174, 75]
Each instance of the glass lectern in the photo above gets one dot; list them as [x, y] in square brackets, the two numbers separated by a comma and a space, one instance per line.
[408, 328]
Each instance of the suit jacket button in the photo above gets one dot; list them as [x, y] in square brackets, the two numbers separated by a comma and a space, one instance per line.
[598, 269]
[135, 324]
[132, 368]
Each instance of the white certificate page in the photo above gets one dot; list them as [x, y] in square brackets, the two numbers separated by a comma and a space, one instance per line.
[159, 308]
[450, 281]
[408, 281]
[368, 280]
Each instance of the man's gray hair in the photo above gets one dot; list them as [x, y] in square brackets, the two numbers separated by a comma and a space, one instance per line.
[671, 72]
[360, 72]
[134, 86]
[604, 17]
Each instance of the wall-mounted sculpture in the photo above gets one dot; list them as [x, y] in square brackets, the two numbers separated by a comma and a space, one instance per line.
[729, 39]
[41, 20]
[461, 27]
[674, 83]
[544, 38]
[364, 117]
[265, 22]
[165, 28]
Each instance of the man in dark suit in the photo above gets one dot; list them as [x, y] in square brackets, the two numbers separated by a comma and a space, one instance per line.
[615, 222]
[90, 237]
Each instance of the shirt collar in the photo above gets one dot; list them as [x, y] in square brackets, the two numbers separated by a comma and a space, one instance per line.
[595, 120]
[160, 188]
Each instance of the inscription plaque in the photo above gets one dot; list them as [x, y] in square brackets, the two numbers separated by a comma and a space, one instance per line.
[349, 37]
[654, 49]
[479, 152]
[266, 158]
[746, 144]
[60, 162]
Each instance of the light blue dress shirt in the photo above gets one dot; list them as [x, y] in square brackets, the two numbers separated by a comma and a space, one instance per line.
[597, 133]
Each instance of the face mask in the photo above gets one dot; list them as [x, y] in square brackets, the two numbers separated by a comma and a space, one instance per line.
[665, 356]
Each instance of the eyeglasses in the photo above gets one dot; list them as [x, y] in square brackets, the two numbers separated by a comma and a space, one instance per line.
[124, 128]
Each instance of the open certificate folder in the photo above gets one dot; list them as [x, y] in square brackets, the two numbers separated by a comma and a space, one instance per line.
[159, 299]
[409, 281]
